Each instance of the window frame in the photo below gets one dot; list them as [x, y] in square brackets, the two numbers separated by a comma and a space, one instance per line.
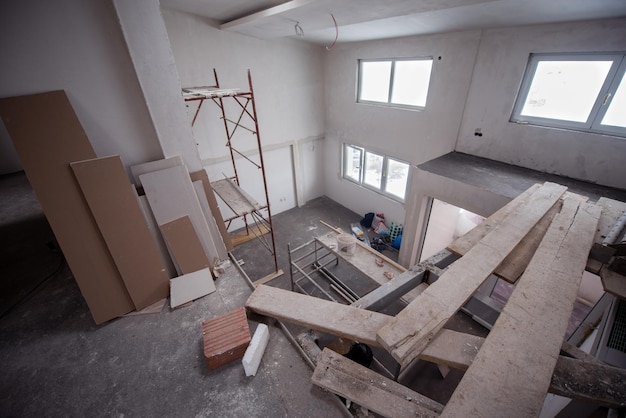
[601, 103]
[382, 190]
[393, 61]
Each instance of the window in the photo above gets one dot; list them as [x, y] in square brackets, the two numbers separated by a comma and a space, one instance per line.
[585, 92]
[397, 82]
[381, 173]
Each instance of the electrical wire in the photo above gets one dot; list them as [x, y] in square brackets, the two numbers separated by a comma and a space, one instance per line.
[328, 48]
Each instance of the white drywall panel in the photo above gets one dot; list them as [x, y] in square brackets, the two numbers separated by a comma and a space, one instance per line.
[288, 81]
[190, 287]
[139, 169]
[204, 204]
[151, 54]
[500, 65]
[412, 136]
[171, 196]
[77, 46]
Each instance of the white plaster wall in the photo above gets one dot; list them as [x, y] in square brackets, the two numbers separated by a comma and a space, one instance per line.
[412, 136]
[500, 66]
[76, 46]
[288, 82]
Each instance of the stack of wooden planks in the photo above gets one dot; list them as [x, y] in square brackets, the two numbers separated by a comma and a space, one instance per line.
[545, 236]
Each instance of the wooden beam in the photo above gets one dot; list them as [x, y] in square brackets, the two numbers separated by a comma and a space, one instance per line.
[513, 369]
[391, 291]
[406, 336]
[367, 388]
[450, 348]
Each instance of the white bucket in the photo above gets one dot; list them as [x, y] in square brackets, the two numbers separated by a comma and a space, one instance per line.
[346, 244]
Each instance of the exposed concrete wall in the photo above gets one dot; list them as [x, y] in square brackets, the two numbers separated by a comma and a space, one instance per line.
[412, 136]
[500, 66]
[288, 81]
[76, 46]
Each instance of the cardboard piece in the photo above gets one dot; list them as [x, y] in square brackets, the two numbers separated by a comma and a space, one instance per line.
[106, 188]
[184, 245]
[48, 136]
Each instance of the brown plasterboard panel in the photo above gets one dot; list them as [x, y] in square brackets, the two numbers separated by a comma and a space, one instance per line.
[48, 136]
[185, 245]
[108, 192]
[215, 210]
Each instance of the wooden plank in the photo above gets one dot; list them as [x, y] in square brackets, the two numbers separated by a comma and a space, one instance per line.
[513, 368]
[362, 260]
[244, 236]
[613, 282]
[184, 245]
[191, 286]
[172, 196]
[215, 210]
[110, 197]
[391, 291]
[367, 388]
[268, 278]
[208, 216]
[450, 348]
[48, 136]
[367, 248]
[352, 323]
[235, 197]
[415, 326]
[589, 381]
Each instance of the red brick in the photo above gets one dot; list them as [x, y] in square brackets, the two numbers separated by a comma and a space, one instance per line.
[225, 338]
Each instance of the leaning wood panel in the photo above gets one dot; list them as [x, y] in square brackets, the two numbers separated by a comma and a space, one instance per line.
[184, 245]
[367, 388]
[406, 336]
[210, 220]
[48, 137]
[513, 368]
[110, 197]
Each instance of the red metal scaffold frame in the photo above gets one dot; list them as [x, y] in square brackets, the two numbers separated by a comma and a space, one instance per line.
[245, 100]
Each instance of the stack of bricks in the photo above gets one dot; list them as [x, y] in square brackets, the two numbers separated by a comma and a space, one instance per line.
[225, 338]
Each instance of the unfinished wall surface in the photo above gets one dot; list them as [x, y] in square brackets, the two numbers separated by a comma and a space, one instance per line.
[412, 136]
[500, 66]
[78, 47]
[288, 81]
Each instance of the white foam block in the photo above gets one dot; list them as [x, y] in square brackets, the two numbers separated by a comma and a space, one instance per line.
[254, 353]
[190, 286]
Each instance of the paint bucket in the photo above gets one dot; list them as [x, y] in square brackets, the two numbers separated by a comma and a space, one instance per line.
[346, 244]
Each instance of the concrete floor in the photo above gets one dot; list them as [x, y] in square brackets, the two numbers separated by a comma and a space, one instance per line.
[55, 361]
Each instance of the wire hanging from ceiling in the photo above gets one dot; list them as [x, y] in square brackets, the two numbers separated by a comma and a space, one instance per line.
[298, 29]
[328, 48]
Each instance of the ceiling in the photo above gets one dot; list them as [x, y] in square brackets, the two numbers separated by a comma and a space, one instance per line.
[361, 20]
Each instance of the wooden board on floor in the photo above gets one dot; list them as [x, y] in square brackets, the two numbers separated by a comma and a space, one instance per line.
[202, 176]
[367, 388]
[48, 136]
[362, 259]
[244, 236]
[184, 245]
[415, 326]
[513, 368]
[172, 196]
[108, 192]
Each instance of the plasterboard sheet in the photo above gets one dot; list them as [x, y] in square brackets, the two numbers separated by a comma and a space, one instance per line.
[210, 220]
[172, 196]
[184, 245]
[156, 234]
[215, 210]
[149, 167]
[106, 188]
[190, 287]
[48, 136]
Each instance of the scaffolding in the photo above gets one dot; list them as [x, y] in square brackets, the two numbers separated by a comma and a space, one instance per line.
[244, 206]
